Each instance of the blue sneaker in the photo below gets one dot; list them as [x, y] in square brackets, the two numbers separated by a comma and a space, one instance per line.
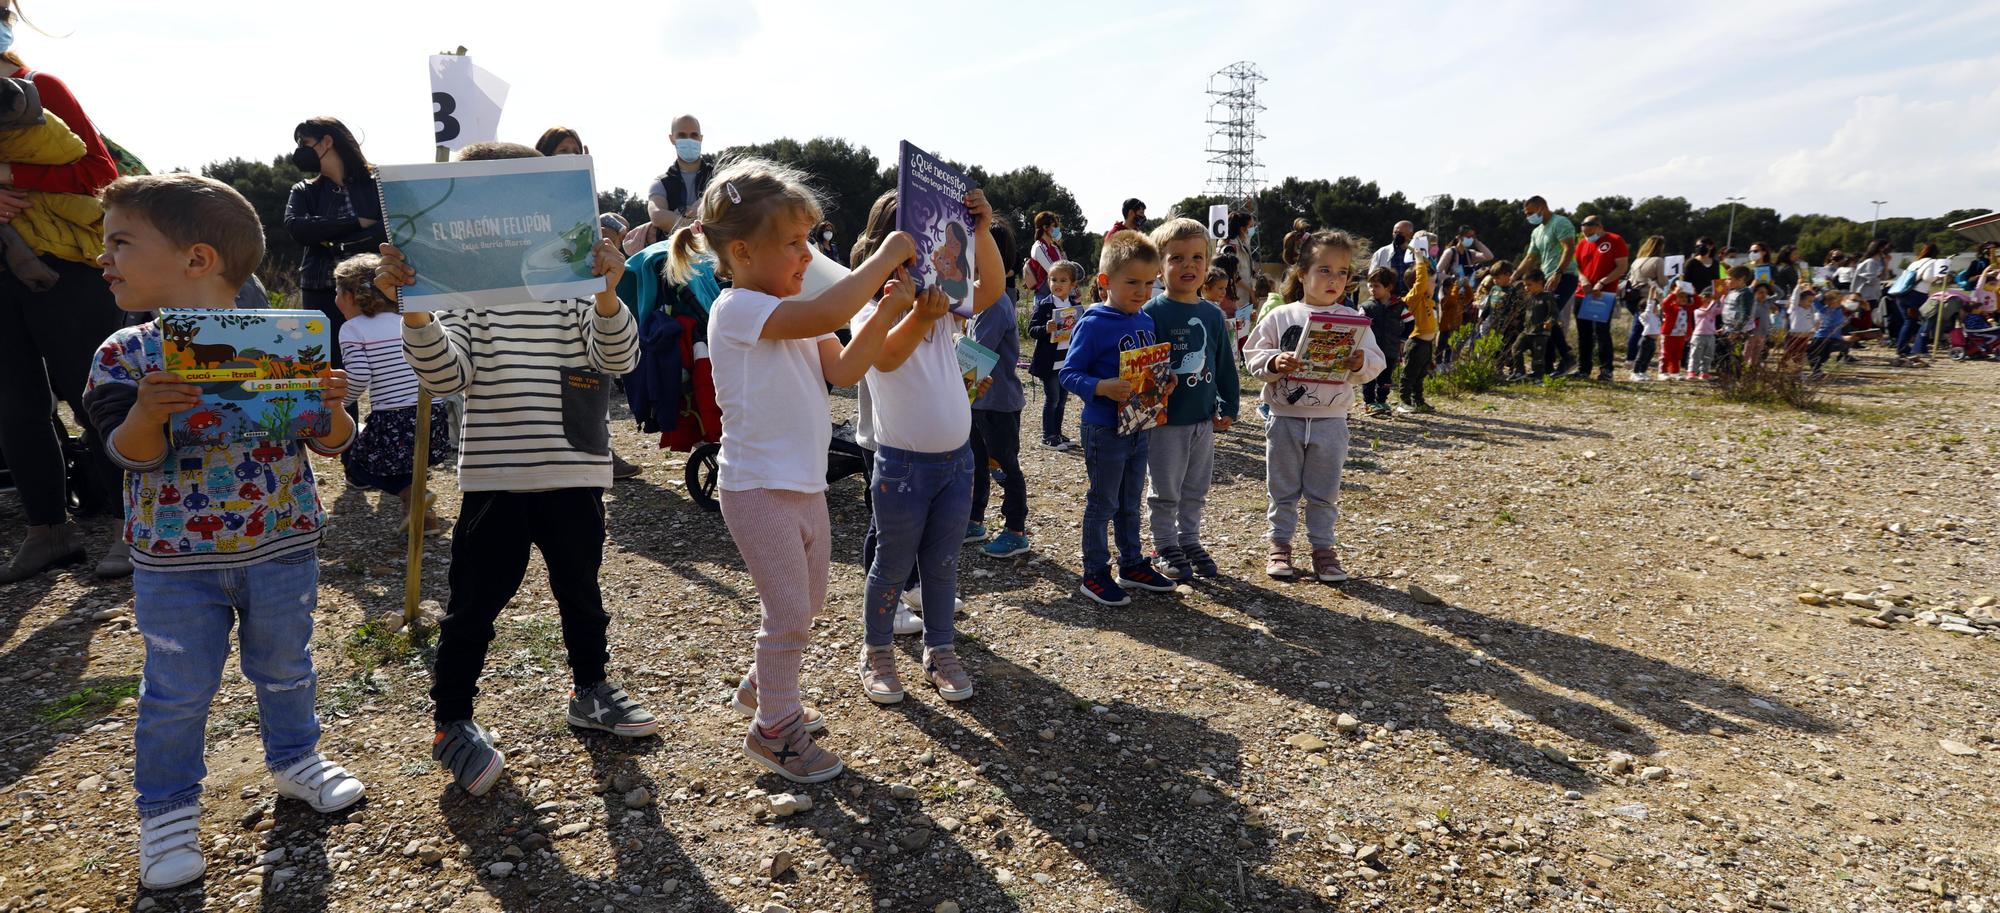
[975, 531]
[1143, 576]
[1006, 545]
[1100, 587]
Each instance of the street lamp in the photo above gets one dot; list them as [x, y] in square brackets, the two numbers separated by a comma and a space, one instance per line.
[1877, 218]
[1729, 239]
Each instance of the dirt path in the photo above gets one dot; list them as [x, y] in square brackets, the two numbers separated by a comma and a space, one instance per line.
[1618, 702]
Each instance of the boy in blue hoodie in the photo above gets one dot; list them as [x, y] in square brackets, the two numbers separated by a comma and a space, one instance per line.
[1115, 463]
[1180, 459]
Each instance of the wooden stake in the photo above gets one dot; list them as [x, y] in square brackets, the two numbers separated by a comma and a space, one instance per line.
[420, 464]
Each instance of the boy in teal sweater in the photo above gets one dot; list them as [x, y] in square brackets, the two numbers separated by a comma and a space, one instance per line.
[1180, 455]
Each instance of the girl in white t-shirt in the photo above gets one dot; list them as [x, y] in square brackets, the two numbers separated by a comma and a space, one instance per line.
[773, 359]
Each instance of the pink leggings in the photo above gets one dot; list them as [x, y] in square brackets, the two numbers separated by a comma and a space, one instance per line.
[785, 541]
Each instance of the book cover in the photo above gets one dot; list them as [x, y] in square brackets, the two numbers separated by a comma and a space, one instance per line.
[1597, 308]
[1325, 346]
[1066, 318]
[976, 362]
[1761, 273]
[260, 374]
[1150, 373]
[930, 205]
[493, 232]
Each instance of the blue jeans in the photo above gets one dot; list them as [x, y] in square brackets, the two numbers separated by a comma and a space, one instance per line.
[1910, 334]
[922, 503]
[185, 617]
[1054, 399]
[1117, 468]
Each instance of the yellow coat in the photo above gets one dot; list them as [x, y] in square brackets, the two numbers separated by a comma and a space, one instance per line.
[1418, 300]
[68, 225]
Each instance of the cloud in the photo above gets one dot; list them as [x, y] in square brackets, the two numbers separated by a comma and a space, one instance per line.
[1923, 155]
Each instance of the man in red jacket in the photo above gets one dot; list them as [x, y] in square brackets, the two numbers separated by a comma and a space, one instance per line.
[1601, 258]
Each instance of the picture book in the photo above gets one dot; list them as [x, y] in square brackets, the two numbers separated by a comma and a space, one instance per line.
[976, 362]
[1150, 373]
[260, 374]
[930, 205]
[1597, 308]
[1066, 318]
[1325, 346]
[1761, 272]
[503, 231]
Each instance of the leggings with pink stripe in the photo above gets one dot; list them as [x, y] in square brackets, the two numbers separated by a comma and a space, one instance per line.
[785, 541]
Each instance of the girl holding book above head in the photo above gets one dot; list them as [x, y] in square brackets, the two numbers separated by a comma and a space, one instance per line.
[774, 354]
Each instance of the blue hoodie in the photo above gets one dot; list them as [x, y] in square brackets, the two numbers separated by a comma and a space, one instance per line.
[1102, 333]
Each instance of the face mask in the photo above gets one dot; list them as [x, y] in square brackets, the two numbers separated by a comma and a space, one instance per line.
[1534, 218]
[1592, 238]
[1465, 243]
[1055, 234]
[305, 159]
[6, 37]
[688, 149]
[827, 236]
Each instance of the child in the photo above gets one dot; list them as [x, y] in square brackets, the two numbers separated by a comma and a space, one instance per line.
[918, 421]
[1801, 314]
[181, 241]
[773, 359]
[1701, 360]
[1536, 305]
[1677, 323]
[1421, 307]
[1049, 354]
[534, 460]
[1180, 455]
[1829, 318]
[1215, 287]
[1743, 312]
[1305, 441]
[1649, 339]
[996, 421]
[1385, 314]
[1115, 463]
[371, 346]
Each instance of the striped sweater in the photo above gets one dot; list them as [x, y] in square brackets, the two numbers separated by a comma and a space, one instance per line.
[508, 361]
[371, 349]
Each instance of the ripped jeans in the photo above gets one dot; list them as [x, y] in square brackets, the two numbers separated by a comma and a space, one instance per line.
[185, 617]
[922, 503]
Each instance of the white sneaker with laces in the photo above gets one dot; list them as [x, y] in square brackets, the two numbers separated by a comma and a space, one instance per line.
[170, 849]
[320, 783]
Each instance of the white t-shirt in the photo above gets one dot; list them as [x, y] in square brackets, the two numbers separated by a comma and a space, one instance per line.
[775, 423]
[921, 406]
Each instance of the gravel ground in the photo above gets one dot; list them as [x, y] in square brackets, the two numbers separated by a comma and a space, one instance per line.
[1611, 648]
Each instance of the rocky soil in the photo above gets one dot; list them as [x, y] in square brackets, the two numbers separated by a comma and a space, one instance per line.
[1610, 648]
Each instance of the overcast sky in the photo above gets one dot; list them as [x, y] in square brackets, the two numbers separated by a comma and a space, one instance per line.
[1816, 107]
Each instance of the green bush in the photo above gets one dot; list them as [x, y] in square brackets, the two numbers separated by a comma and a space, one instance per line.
[1477, 368]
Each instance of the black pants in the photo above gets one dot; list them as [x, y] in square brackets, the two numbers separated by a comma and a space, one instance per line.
[1819, 350]
[1416, 367]
[321, 300]
[996, 436]
[1535, 345]
[1556, 342]
[1376, 392]
[1593, 344]
[48, 341]
[489, 556]
[1642, 359]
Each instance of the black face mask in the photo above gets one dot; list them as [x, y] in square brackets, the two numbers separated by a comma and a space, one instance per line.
[305, 159]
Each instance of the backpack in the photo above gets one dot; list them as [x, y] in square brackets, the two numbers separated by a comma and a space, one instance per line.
[1908, 279]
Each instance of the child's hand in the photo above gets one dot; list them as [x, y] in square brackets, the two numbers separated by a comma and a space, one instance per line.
[1116, 389]
[1224, 422]
[900, 248]
[985, 384]
[607, 261]
[981, 211]
[162, 395]
[1285, 363]
[932, 304]
[395, 273]
[334, 394]
[1173, 380]
[1052, 326]
[898, 295]
[1355, 360]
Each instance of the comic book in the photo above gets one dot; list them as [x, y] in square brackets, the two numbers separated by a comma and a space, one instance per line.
[930, 205]
[976, 362]
[1066, 318]
[1325, 346]
[260, 374]
[1149, 370]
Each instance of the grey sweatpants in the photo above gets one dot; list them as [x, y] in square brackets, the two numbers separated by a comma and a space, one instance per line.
[1302, 459]
[1701, 358]
[1180, 464]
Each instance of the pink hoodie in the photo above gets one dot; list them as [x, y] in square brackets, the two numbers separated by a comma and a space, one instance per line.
[1706, 316]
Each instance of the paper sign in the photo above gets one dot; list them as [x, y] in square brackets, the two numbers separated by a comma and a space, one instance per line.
[1218, 221]
[465, 102]
[493, 232]
[1674, 265]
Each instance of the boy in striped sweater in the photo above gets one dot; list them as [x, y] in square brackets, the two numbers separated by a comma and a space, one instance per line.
[534, 460]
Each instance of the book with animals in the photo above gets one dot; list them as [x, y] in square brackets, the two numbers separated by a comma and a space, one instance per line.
[1325, 346]
[260, 374]
[976, 362]
[930, 205]
[483, 233]
[1150, 373]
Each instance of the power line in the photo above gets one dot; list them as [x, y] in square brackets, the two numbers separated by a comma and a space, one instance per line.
[1234, 171]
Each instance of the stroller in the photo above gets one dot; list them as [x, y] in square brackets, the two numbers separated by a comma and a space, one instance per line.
[1976, 337]
[843, 458]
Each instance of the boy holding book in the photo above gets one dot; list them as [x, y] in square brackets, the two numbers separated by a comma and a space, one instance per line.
[1115, 463]
[1180, 455]
[181, 241]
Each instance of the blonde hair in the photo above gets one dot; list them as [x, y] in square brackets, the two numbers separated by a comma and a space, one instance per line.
[356, 276]
[1124, 249]
[190, 209]
[1181, 229]
[1317, 243]
[741, 200]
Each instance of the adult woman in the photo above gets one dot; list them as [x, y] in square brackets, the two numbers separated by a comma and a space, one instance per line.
[561, 141]
[1300, 229]
[1785, 269]
[1645, 280]
[1045, 252]
[1981, 259]
[335, 215]
[1241, 225]
[1702, 268]
[822, 237]
[1928, 273]
[47, 340]
[1868, 277]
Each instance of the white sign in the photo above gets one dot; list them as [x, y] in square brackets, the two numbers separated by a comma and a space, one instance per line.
[465, 102]
[1218, 221]
[1674, 265]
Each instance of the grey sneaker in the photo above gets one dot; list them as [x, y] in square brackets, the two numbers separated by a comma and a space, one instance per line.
[607, 708]
[792, 754]
[466, 749]
[878, 675]
[745, 705]
[945, 673]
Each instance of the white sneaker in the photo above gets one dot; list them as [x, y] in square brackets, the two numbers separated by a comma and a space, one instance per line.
[1638, 376]
[320, 783]
[170, 849]
[907, 621]
[915, 600]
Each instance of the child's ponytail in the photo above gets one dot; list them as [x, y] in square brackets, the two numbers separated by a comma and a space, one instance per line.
[686, 243]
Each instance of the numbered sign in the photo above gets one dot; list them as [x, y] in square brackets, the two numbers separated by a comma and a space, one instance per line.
[465, 102]
[1218, 221]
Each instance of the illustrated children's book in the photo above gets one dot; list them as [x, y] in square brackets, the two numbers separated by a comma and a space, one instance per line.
[976, 362]
[930, 205]
[1066, 318]
[1325, 346]
[492, 232]
[260, 374]
[1150, 373]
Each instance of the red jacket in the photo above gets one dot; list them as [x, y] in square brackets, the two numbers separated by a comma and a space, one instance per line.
[1674, 310]
[85, 175]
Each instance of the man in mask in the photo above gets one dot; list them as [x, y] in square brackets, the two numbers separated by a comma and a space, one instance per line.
[1132, 216]
[1601, 259]
[1553, 245]
[1395, 255]
[674, 197]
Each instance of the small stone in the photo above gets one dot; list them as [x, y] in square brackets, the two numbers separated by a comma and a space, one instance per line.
[89, 784]
[1958, 749]
[1347, 724]
[989, 814]
[1952, 627]
[1307, 742]
[785, 805]
[1552, 752]
[513, 854]
[1747, 551]
[1573, 796]
[1983, 602]
[1368, 855]
[1858, 600]
[1811, 599]
[1619, 763]
[430, 855]
[1422, 595]
[1450, 579]
[1046, 735]
[945, 907]
[571, 830]
[1653, 773]
[914, 839]
[145, 904]
[1869, 621]
[776, 908]
[251, 817]
[411, 848]
[949, 824]
[778, 864]
[1200, 797]
[639, 798]
[500, 869]
[902, 791]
